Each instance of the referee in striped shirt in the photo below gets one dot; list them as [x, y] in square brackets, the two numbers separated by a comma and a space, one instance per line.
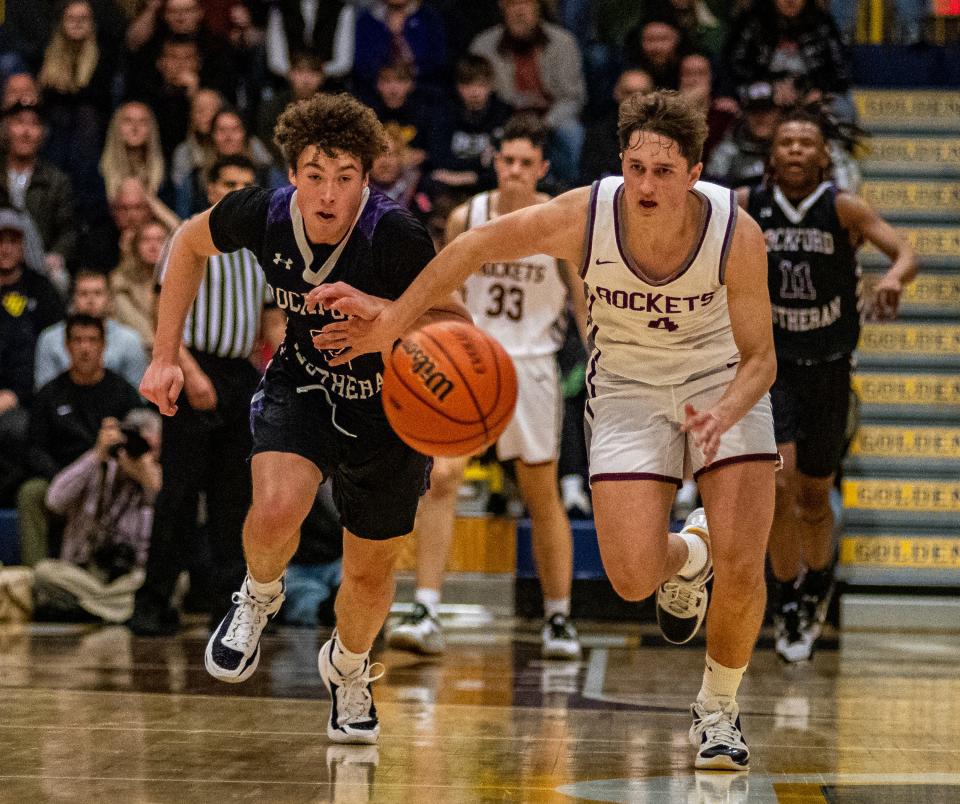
[207, 443]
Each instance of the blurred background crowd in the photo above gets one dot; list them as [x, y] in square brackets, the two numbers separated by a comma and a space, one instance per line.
[122, 117]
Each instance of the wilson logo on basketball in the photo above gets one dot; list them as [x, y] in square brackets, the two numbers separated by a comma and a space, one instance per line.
[476, 362]
[422, 366]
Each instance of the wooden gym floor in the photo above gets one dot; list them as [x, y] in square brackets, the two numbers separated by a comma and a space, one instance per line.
[92, 715]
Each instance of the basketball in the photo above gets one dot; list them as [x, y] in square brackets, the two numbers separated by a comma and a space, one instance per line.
[449, 389]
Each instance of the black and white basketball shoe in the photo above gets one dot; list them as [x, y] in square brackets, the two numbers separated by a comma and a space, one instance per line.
[353, 715]
[682, 603]
[233, 651]
[419, 631]
[718, 738]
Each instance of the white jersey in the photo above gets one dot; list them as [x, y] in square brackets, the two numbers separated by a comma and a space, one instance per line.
[521, 303]
[658, 331]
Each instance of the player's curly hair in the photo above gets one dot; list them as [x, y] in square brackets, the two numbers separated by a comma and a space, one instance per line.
[846, 134]
[332, 123]
[669, 114]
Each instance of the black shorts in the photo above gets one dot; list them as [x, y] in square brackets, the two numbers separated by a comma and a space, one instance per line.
[810, 407]
[377, 479]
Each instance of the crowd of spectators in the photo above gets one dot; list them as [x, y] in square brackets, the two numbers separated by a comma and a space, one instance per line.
[114, 111]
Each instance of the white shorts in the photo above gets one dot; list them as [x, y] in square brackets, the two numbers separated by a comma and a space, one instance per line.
[633, 429]
[533, 434]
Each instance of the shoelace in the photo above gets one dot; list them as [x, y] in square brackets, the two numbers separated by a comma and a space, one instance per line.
[682, 597]
[247, 622]
[720, 727]
[353, 696]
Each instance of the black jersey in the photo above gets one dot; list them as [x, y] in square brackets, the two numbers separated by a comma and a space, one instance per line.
[812, 272]
[381, 256]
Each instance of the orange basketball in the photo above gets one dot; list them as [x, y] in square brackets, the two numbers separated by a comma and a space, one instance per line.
[449, 389]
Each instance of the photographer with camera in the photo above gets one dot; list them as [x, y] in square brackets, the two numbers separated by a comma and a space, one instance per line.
[65, 418]
[106, 497]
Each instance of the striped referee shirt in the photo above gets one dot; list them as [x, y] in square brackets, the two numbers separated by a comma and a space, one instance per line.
[225, 317]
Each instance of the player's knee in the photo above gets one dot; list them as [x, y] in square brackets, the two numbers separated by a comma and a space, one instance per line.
[739, 574]
[445, 480]
[545, 504]
[632, 586]
[813, 503]
[370, 577]
[275, 516]
[786, 482]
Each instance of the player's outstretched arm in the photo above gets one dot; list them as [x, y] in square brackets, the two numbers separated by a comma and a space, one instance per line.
[749, 304]
[864, 223]
[556, 228]
[363, 308]
[185, 264]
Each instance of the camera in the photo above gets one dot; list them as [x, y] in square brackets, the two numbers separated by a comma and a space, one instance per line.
[134, 444]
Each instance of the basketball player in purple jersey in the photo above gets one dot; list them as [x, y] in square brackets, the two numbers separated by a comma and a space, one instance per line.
[813, 231]
[681, 363]
[311, 420]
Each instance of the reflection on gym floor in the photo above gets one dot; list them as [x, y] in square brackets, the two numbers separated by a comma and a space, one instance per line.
[95, 714]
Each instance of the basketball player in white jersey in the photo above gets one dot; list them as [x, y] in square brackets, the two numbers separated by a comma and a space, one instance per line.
[522, 303]
[682, 361]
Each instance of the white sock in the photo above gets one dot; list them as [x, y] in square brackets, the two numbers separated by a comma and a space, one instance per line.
[696, 555]
[573, 493]
[264, 592]
[428, 598]
[720, 684]
[344, 660]
[571, 486]
[559, 606]
[687, 493]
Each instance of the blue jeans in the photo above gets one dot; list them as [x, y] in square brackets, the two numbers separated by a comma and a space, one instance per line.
[307, 586]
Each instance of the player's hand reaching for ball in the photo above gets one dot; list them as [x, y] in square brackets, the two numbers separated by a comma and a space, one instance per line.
[706, 429]
[161, 384]
[366, 330]
[346, 299]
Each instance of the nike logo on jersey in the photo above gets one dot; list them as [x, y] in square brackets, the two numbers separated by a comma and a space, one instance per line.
[604, 262]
